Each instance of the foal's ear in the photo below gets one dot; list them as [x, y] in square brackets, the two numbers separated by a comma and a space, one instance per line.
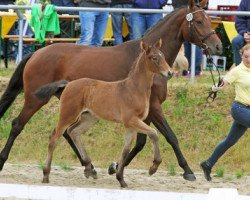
[203, 3]
[144, 46]
[158, 44]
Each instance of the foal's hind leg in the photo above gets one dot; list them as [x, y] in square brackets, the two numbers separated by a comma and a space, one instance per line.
[85, 122]
[51, 147]
[28, 110]
[129, 136]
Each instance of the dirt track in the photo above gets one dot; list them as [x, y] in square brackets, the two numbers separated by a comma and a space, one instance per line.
[136, 180]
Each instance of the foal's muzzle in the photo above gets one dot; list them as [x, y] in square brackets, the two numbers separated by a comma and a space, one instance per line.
[167, 74]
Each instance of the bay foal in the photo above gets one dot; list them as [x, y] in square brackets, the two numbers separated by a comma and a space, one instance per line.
[85, 100]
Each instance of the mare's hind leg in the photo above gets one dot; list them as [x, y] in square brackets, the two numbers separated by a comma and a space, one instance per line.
[81, 126]
[28, 110]
[129, 136]
[140, 126]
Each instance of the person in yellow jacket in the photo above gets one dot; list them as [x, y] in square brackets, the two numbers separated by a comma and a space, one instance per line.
[240, 110]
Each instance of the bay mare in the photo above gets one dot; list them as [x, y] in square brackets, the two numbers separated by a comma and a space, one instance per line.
[70, 61]
[85, 100]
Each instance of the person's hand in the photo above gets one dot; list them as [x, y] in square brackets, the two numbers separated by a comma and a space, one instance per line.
[215, 88]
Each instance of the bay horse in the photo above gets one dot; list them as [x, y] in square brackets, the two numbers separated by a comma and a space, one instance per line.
[70, 61]
[85, 100]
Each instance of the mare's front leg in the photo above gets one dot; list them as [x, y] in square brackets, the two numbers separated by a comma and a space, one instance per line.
[157, 118]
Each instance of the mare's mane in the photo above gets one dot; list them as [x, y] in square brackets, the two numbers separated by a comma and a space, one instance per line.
[166, 18]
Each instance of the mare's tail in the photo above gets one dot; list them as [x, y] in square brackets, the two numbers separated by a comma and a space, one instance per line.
[47, 91]
[14, 87]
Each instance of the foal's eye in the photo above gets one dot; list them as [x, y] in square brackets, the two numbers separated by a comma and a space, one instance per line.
[154, 58]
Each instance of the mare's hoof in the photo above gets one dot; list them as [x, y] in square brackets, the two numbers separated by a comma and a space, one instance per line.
[2, 161]
[112, 168]
[91, 173]
[189, 177]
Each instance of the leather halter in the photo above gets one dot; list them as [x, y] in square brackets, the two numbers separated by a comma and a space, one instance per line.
[193, 29]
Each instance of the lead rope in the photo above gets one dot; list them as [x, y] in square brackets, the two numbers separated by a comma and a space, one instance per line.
[212, 95]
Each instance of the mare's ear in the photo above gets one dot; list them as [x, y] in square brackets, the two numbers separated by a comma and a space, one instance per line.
[144, 46]
[203, 3]
[158, 44]
[191, 4]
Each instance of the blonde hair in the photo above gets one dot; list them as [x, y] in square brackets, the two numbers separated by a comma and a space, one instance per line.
[246, 47]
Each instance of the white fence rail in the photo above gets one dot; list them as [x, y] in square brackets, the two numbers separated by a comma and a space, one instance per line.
[58, 8]
[17, 191]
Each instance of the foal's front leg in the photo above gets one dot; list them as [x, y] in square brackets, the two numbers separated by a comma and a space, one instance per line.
[156, 116]
[140, 126]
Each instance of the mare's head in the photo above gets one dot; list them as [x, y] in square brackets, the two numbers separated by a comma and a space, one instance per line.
[196, 28]
[155, 59]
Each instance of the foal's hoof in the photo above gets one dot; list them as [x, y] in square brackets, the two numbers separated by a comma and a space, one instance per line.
[123, 184]
[112, 168]
[91, 173]
[152, 170]
[189, 177]
[45, 180]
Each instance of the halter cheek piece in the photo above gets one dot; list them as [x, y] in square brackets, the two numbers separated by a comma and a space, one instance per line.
[193, 29]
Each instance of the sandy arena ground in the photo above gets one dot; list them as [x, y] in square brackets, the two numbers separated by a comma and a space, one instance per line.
[136, 180]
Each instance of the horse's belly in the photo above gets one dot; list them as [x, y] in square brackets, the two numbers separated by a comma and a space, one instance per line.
[145, 112]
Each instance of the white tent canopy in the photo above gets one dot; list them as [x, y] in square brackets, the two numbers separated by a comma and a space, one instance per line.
[214, 3]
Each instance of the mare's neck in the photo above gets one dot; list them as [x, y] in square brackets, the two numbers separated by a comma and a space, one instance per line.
[168, 29]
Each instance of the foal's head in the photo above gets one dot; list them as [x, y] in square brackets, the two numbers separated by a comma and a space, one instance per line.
[156, 59]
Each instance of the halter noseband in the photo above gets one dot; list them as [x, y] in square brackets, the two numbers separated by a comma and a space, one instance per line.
[192, 28]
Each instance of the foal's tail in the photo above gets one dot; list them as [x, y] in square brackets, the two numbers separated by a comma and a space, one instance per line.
[47, 91]
[14, 87]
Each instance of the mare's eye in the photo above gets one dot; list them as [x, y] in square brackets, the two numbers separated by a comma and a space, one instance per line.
[199, 22]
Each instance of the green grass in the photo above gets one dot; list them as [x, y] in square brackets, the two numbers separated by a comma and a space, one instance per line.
[172, 169]
[220, 172]
[198, 125]
[239, 173]
[65, 167]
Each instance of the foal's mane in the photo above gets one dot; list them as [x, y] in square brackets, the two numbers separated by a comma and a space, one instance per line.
[135, 64]
[166, 18]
